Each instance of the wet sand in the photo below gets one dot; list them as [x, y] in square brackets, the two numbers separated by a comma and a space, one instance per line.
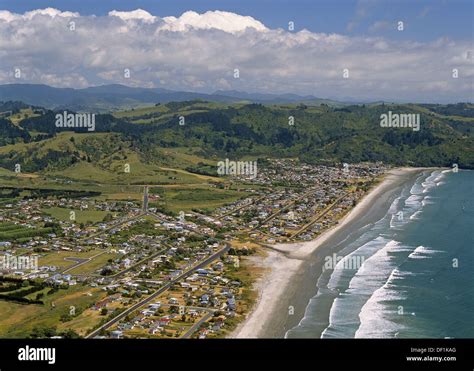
[293, 269]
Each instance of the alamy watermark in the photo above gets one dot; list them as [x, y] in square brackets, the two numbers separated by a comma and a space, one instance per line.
[37, 354]
[75, 120]
[353, 262]
[400, 120]
[247, 168]
[12, 262]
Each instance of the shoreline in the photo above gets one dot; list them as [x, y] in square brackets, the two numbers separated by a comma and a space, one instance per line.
[285, 290]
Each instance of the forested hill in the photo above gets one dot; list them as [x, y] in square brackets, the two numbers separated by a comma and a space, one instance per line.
[321, 134]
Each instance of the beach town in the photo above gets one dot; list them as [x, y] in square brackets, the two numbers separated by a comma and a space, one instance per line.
[142, 273]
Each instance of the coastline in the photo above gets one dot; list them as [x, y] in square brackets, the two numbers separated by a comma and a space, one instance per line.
[293, 268]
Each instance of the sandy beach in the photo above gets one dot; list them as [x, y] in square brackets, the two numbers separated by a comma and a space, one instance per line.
[292, 269]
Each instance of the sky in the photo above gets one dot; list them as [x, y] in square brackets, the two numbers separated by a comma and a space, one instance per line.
[398, 50]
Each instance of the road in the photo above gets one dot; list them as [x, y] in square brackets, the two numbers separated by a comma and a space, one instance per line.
[252, 202]
[284, 208]
[145, 199]
[159, 218]
[196, 325]
[157, 293]
[126, 220]
[122, 272]
[79, 262]
[318, 217]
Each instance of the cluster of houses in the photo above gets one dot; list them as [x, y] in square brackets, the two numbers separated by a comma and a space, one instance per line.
[305, 199]
[207, 291]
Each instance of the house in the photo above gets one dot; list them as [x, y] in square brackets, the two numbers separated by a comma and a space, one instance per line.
[193, 313]
[154, 306]
[202, 272]
[218, 323]
[204, 299]
[192, 278]
[127, 262]
[117, 334]
[217, 326]
[219, 266]
[173, 301]
[156, 330]
[231, 303]
[164, 321]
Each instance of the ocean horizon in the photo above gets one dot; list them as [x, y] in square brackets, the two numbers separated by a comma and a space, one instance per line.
[415, 276]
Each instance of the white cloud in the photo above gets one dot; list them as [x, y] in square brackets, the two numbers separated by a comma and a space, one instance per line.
[224, 21]
[199, 52]
[7, 16]
[137, 14]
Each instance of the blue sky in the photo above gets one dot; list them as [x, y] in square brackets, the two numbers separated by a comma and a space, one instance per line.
[424, 19]
[339, 49]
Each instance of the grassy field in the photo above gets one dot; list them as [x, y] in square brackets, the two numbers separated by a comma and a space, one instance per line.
[59, 182]
[96, 263]
[185, 156]
[11, 231]
[6, 172]
[177, 199]
[23, 114]
[133, 113]
[82, 216]
[102, 158]
[87, 319]
[163, 112]
[57, 258]
[17, 320]
[61, 142]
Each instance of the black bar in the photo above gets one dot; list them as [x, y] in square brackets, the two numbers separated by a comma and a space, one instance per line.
[385, 352]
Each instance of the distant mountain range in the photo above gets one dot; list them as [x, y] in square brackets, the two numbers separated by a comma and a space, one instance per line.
[114, 97]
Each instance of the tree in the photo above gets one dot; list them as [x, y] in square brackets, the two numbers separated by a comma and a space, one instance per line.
[108, 217]
[43, 332]
[70, 334]
[106, 271]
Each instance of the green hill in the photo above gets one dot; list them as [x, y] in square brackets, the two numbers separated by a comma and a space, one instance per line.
[153, 143]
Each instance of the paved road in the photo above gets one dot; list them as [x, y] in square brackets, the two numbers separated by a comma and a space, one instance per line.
[196, 325]
[79, 261]
[284, 208]
[318, 217]
[126, 220]
[161, 290]
[159, 218]
[145, 199]
[122, 272]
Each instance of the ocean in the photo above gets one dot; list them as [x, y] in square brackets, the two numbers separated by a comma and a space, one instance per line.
[416, 273]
